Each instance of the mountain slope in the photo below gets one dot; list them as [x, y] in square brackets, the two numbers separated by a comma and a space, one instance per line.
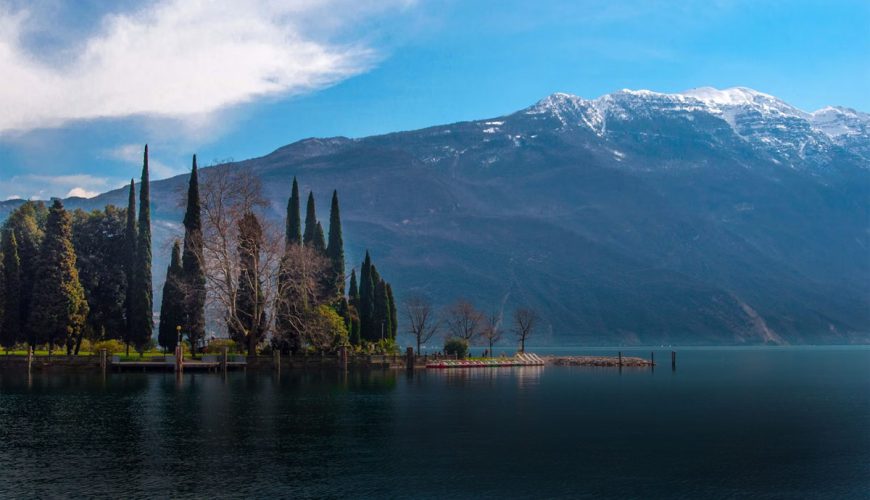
[712, 216]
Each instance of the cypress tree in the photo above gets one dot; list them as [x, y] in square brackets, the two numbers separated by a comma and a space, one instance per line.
[130, 262]
[310, 221]
[249, 323]
[143, 318]
[381, 315]
[394, 313]
[353, 290]
[335, 248]
[11, 285]
[192, 264]
[353, 307]
[24, 223]
[294, 217]
[366, 300]
[172, 304]
[59, 305]
[319, 243]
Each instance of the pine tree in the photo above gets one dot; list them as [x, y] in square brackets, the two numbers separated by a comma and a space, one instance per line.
[366, 301]
[11, 284]
[394, 313]
[130, 262]
[59, 305]
[335, 249]
[310, 221]
[294, 217]
[249, 323]
[142, 293]
[172, 304]
[192, 264]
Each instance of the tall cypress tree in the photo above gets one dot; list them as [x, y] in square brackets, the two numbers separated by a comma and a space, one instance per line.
[59, 306]
[143, 306]
[11, 284]
[310, 221]
[172, 304]
[319, 242]
[192, 263]
[130, 263]
[335, 248]
[353, 307]
[394, 313]
[294, 217]
[353, 290]
[366, 300]
[249, 323]
[24, 223]
[380, 307]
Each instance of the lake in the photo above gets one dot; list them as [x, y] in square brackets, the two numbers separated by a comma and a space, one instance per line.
[761, 423]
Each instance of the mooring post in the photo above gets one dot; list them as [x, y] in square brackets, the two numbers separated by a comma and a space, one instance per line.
[224, 358]
[652, 358]
[342, 357]
[103, 360]
[673, 360]
[29, 358]
[179, 358]
[620, 359]
[409, 358]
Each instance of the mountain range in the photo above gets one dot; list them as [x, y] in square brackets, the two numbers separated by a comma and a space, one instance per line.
[705, 217]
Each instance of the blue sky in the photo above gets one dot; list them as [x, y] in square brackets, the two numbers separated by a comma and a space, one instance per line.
[83, 87]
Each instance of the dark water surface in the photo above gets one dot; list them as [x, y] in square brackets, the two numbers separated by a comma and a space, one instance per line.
[760, 423]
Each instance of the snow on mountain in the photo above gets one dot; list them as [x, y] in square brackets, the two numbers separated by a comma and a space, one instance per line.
[788, 134]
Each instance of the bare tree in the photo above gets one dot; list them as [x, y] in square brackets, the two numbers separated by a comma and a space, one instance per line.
[463, 320]
[302, 275]
[421, 317]
[227, 197]
[491, 331]
[525, 319]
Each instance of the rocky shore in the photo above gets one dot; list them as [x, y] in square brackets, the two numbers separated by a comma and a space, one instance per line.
[597, 361]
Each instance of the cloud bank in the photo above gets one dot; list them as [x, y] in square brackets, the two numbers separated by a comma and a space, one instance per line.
[178, 59]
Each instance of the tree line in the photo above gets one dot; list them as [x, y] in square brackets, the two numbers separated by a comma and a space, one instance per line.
[70, 276]
[464, 325]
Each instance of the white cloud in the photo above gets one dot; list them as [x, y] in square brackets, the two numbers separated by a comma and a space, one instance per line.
[81, 193]
[132, 154]
[180, 59]
[44, 186]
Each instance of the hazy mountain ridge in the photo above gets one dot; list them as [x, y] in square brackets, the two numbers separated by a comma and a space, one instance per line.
[638, 217]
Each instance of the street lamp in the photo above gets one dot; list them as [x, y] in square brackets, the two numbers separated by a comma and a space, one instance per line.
[178, 330]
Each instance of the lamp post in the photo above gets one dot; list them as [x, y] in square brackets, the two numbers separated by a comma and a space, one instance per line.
[178, 330]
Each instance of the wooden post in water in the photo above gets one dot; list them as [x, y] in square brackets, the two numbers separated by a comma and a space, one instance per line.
[673, 360]
[342, 357]
[276, 361]
[409, 358]
[29, 358]
[652, 358]
[620, 359]
[103, 360]
[225, 357]
[179, 358]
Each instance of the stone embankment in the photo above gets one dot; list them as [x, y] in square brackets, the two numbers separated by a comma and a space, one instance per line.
[614, 361]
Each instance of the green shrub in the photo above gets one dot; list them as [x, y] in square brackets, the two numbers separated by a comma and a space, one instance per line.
[456, 346]
[112, 346]
[215, 346]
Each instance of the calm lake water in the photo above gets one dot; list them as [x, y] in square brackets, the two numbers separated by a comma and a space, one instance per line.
[761, 423]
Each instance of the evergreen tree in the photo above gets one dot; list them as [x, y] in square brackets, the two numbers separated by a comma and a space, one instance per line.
[353, 290]
[366, 301]
[192, 264]
[249, 322]
[353, 309]
[335, 249]
[319, 243]
[381, 316]
[130, 262]
[294, 217]
[310, 221]
[394, 314]
[59, 307]
[10, 330]
[100, 242]
[142, 293]
[172, 305]
[27, 225]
